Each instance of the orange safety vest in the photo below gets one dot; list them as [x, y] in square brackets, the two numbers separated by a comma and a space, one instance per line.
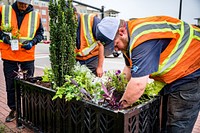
[28, 29]
[182, 55]
[88, 45]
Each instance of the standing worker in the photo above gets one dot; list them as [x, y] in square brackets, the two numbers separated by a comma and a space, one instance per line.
[167, 50]
[27, 22]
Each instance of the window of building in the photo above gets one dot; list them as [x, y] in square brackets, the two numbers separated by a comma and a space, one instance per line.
[44, 20]
[43, 12]
[35, 2]
[37, 10]
[43, 4]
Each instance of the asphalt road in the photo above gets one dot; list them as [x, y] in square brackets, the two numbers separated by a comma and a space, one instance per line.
[42, 59]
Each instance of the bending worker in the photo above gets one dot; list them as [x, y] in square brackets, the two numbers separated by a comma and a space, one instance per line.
[167, 50]
[88, 51]
[27, 23]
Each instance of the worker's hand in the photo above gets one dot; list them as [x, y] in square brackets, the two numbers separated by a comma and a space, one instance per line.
[99, 71]
[6, 38]
[125, 103]
[27, 45]
[134, 90]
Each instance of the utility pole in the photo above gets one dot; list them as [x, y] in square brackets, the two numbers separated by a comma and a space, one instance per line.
[180, 9]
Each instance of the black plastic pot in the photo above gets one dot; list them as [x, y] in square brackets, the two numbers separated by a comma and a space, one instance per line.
[37, 110]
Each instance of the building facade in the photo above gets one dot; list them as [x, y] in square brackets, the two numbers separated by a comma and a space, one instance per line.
[42, 7]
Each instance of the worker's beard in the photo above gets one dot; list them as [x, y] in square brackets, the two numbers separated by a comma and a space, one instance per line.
[125, 45]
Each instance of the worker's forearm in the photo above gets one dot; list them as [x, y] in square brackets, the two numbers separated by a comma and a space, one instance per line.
[101, 56]
[133, 93]
[99, 70]
[134, 90]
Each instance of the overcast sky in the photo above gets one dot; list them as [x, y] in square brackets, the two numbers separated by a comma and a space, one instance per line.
[142, 8]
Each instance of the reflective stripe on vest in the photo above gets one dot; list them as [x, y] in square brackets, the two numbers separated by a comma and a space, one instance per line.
[32, 24]
[185, 31]
[6, 15]
[88, 36]
[197, 34]
[177, 53]
[149, 27]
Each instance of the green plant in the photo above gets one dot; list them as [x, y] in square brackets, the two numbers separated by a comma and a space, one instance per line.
[153, 88]
[116, 79]
[48, 76]
[83, 84]
[16, 35]
[63, 26]
[2, 128]
[115, 83]
[6, 28]
[107, 91]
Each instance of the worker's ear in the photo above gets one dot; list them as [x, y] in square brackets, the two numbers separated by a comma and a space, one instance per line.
[122, 31]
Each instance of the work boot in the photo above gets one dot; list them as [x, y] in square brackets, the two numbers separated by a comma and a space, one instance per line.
[11, 116]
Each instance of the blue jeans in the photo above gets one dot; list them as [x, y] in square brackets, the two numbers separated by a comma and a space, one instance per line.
[91, 63]
[10, 68]
[181, 108]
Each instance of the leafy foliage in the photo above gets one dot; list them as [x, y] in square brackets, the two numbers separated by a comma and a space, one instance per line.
[63, 27]
[6, 28]
[80, 85]
[115, 84]
[16, 35]
[47, 75]
[153, 88]
[106, 91]
[116, 79]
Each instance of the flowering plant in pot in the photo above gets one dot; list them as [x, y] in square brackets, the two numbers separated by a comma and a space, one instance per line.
[7, 29]
[106, 91]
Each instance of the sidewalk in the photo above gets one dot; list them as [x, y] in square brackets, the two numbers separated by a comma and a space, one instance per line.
[4, 109]
[11, 126]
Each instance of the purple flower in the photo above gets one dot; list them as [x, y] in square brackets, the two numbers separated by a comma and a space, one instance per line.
[117, 72]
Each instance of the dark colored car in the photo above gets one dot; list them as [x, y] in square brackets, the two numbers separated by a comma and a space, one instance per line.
[116, 53]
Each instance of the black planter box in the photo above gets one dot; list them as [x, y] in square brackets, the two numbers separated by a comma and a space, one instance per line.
[37, 110]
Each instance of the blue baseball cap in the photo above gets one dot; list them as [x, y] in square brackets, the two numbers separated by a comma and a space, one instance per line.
[105, 33]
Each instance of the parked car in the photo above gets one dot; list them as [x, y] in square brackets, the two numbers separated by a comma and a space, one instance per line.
[116, 53]
[46, 41]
